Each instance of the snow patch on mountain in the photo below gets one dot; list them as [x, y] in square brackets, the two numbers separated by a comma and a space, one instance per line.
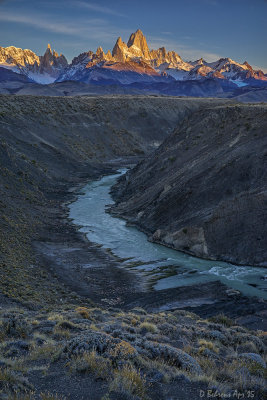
[43, 79]
[238, 83]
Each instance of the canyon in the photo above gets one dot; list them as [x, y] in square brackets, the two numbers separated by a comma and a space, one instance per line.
[77, 317]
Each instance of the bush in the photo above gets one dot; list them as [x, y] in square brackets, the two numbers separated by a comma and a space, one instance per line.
[129, 381]
[93, 363]
[222, 319]
[84, 312]
[14, 326]
[148, 327]
[205, 344]
[123, 350]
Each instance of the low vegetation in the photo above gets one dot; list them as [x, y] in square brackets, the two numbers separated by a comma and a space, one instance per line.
[131, 354]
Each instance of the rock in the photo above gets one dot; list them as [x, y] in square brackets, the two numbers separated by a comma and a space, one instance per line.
[40, 341]
[189, 239]
[232, 292]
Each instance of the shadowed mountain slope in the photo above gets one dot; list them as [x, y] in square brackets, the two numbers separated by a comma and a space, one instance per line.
[204, 190]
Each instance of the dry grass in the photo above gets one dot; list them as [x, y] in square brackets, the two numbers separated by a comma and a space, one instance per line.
[123, 350]
[222, 319]
[49, 351]
[205, 344]
[91, 362]
[50, 396]
[149, 327]
[83, 312]
[129, 381]
[19, 396]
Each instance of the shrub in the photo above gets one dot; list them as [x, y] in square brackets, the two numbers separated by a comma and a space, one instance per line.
[129, 381]
[148, 327]
[10, 380]
[18, 396]
[14, 326]
[84, 312]
[123, 350]
[93, 363]
[205, 344]
[49, 351]
[222, 319]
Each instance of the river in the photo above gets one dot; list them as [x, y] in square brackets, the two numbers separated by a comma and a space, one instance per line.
[167, 268]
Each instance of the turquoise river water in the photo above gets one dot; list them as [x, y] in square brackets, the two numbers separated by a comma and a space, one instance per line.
[173, 267]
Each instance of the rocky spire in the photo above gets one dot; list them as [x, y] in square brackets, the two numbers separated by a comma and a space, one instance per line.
[138, 40]
[50, 62]
[100, 53]
[109, 56]
[119, 50]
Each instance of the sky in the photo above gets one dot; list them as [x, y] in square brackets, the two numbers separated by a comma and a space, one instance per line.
[197, 28]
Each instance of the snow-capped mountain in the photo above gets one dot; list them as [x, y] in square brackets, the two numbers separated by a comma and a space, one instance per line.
[128, 63]
[134, 62]
[41, 69]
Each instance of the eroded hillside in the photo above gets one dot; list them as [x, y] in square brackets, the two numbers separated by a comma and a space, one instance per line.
[204, 190]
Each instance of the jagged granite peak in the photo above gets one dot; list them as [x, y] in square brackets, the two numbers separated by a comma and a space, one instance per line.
[200, 61]
[137, 41]
[51, 63]
[109, 56]
[161, 57]
[99, 51]
[119, 50]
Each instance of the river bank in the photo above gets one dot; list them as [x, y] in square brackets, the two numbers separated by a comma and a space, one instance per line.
[94, 272]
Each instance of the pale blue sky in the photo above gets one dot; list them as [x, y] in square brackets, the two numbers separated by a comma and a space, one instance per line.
[195, 28]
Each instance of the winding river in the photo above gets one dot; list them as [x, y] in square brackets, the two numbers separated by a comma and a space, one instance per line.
[167, 268]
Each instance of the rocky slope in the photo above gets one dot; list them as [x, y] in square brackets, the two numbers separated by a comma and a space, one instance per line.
[204, 190]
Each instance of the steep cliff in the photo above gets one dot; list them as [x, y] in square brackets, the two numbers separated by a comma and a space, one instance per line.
[204, 190]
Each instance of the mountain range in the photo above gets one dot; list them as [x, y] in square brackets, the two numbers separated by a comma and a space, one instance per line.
[132, 65]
